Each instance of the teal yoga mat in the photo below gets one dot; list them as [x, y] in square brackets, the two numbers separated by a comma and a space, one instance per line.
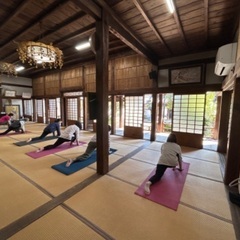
[24, 143]
[61, 167]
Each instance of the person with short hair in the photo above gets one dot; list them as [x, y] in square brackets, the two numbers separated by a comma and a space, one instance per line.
[92, 145]
[50, 128]
[6, 119]
[171, 156]
[16, 125]
[69, 134]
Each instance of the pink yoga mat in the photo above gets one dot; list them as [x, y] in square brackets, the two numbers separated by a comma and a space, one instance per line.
[168, 190]
[60, 148]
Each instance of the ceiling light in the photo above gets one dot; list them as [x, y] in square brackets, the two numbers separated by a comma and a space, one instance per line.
[83, 45]
[7, 68]
[36, 53]
[171, 6]
[19, 68]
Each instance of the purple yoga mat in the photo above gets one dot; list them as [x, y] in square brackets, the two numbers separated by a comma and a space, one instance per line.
[60, 148]
[168, 190]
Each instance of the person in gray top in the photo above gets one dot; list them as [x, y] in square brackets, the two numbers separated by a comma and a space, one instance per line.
[171, 157]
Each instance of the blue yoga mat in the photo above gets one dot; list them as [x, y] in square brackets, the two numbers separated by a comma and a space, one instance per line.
[61, 167]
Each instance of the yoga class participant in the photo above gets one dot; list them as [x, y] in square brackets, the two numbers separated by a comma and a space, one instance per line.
[6, 119]
[69, 134]
[16, 125]
[50, 128]
[92, 145]
[171, 157]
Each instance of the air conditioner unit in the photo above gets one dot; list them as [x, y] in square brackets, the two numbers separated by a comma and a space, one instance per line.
[225, 59]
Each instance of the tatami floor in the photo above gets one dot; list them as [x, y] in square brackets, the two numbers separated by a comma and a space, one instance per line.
[38, 202]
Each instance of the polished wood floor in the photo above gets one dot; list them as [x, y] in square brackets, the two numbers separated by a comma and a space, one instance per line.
[38, 202]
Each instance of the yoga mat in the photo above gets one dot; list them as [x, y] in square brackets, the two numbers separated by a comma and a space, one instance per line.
[61, 167]
[60, 148]
[24, 143]
[168, 190]
[13, 133]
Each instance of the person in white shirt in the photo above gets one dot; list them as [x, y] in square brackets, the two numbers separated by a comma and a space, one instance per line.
[171, 157]
[69, 134]
[92, 145]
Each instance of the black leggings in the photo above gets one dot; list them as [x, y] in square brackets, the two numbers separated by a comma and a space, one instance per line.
[159, 173]
[59, 142]
[9, 130]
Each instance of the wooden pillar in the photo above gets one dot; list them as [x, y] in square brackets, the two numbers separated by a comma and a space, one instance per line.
[233, 154]
[102, 42]
[159, 117]
[216, 123]
[113, 110]
[153, 117]
[223, 123]
[121, 106]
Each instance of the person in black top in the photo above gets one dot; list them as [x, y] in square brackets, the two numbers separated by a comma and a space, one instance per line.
[16, 125]
[50, 128]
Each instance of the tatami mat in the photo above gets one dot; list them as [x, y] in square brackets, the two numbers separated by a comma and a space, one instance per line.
[105, 207]
[18, 196]
[204, 168]
[58, 224]
[112, 205]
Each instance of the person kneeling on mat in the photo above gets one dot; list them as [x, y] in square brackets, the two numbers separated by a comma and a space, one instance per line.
[92, 145]
[171, 157]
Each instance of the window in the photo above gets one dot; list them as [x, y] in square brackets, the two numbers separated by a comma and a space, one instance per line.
[52, 108]
[28, 107]
[134, 111]
[188, 113]
[72, 110]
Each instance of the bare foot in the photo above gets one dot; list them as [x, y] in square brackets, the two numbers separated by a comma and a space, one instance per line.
[40, 150]
[147, 188]
[29, 140]
[69, 162]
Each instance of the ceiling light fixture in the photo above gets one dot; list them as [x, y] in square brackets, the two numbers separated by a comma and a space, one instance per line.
[83, 45]
[171, 6]
[7, 68]
[19, 68]
[37, 53]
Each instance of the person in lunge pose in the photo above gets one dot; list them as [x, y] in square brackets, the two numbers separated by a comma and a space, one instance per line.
[50, 128]
[92, 145]
[69, 134]
[171, 156]
[6, 119]
[16, 125]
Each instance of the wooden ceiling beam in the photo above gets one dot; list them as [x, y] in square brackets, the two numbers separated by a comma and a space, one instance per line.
[206, 19]
[23, 31]
[141, 9]
[122, 31]
[18, 9]
[179, 25]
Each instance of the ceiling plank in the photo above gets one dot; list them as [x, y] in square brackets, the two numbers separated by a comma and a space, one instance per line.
[179, 25]
[150, 23]
[120, 30]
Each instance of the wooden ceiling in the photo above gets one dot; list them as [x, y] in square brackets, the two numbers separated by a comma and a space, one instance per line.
[142, 26]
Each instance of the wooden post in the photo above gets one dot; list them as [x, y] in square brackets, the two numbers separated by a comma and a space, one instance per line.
[102, 42]
[233, 155]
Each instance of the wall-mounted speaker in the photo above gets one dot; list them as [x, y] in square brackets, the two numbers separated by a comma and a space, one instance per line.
[153, 75]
